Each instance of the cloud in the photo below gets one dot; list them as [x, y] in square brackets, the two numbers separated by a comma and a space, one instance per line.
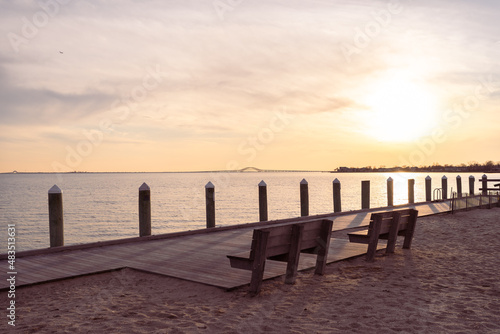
[258, 61]
[43, 106]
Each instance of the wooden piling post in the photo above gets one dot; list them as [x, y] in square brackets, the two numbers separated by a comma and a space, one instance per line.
[210, 204]
[263, 201]
[365, 194]
[444, 186]
[411, 191]
[144, 210]
[472, 179]
[484, 181]
[390, 191]
[56, 222]
[428, 189]
[459, 186]
[304, 198]
[337, 201]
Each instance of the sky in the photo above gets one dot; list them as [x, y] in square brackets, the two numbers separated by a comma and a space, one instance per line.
[225, 84]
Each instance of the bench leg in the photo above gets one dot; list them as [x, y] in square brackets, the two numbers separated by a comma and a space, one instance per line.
[259, 263]
[412, 222]
[373, 241]
[393, 233]
[257, 277]
[294, 254]
[324, 246]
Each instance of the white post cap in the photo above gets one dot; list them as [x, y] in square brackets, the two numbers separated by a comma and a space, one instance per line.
[143, 187]
[55, 190]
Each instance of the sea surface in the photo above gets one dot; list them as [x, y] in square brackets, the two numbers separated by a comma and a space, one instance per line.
[104, 206]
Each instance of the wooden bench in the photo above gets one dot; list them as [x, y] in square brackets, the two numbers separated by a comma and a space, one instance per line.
[387, 225]
[284, 243]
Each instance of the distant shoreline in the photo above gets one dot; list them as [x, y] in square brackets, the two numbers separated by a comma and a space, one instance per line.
[271, 171]
[179, 172]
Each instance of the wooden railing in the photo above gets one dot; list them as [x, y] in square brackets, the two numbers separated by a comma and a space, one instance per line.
[484, 183]
[468, 202]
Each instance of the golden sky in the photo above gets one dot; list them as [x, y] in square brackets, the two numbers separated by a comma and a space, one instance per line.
[224, 84]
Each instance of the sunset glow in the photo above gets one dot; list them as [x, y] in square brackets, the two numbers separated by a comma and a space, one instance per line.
[176, 86]
[400, 110]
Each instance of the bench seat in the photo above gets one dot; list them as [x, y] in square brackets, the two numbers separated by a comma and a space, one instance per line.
[362, 237]
[241, 260]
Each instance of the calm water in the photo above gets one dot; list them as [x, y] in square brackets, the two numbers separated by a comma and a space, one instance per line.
[104, 206]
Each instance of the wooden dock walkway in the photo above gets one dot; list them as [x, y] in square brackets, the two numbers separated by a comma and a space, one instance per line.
[193, 256]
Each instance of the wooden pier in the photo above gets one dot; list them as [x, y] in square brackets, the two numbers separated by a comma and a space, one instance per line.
[198, 256]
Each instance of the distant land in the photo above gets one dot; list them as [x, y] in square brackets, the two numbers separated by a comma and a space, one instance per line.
[487, 167]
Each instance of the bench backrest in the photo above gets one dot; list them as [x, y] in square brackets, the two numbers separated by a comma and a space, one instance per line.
[278, 239]
[386, 219]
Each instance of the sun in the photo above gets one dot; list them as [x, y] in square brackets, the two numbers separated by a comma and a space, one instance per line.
[399, 110]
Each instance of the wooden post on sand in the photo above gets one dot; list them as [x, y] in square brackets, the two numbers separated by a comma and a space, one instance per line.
[428, 189]
[444, 186]
[263, 201]
[144, 210]
[472, 180]
[365, 194]
[56, 222]
[484, 181]
[411, 191]
[210, 204]
[337, 201]
[304, 198]
[459, 186]
[390, 191]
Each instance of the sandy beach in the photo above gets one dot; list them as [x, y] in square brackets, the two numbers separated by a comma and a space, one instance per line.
[447, 283]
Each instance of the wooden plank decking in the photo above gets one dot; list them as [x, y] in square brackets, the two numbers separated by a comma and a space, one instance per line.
[197, 257]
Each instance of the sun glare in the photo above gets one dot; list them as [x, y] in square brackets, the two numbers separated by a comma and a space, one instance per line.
[400, 110]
